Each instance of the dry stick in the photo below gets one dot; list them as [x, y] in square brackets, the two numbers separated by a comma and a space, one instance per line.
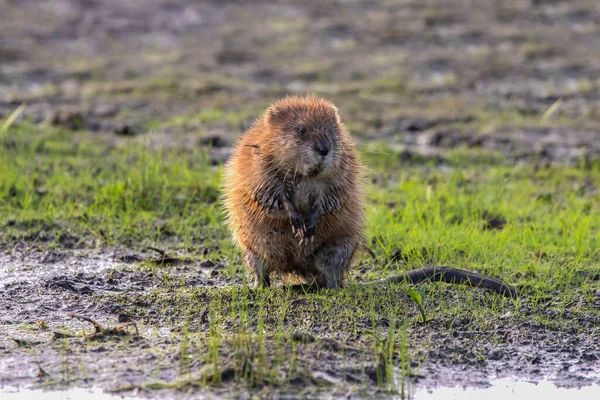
[159, 251]
[99, 328]
[130, 323]
[165, 258]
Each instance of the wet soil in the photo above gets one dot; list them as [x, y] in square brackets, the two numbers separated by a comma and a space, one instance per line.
[520, 78]
[41, 345]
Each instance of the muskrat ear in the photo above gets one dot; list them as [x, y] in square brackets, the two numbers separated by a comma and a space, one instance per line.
[335, 110]
[275, 114]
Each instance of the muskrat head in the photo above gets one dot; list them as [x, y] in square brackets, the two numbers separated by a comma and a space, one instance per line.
[305, 135]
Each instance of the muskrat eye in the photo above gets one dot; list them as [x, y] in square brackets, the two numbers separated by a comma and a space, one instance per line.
[301, 130]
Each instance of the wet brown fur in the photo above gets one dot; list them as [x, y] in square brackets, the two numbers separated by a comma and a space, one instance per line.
[270, 157]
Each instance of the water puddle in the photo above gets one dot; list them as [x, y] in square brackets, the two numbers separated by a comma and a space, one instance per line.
[509, 388]
[501, 389]
[12, 393]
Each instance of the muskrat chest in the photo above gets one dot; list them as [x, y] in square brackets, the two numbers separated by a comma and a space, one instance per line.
[307, 194]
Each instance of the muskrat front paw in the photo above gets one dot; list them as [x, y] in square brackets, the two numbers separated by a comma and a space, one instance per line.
[309, 233]
[310, 222]
[298, 227]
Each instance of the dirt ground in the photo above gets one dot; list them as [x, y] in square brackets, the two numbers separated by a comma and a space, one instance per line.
[518, 77]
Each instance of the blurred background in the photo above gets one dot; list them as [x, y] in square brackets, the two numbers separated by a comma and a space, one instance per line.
[516, 76]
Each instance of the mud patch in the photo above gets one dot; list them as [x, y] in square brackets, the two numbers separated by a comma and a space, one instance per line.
[172, 309]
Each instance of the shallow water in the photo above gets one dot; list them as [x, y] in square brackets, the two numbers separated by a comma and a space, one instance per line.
[12, 393]
[506, 388]
[509, 388]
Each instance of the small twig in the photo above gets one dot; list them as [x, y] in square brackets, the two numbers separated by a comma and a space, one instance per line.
[164, 257]
[41, 372]
[61, 335]
[23, 342]
[551, 110]
[159, 251]
[99, 328]
[11, 119]
[126, 324]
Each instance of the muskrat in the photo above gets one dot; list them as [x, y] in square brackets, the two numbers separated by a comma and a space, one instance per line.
[294, 198]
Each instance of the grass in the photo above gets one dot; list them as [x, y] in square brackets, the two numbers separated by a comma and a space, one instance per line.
[535, 228]
[114, 193]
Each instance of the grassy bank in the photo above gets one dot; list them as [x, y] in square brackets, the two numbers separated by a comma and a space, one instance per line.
[534, 227]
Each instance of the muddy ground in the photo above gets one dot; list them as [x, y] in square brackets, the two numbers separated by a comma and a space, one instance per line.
[517, 77]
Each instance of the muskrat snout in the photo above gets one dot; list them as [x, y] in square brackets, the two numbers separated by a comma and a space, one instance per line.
[322, 146]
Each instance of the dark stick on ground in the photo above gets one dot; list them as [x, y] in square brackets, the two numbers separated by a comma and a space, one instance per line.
[97, 326]
[101, 330]
[159, 251]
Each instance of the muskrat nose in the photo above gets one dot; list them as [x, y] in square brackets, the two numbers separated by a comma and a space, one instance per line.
[322, 147]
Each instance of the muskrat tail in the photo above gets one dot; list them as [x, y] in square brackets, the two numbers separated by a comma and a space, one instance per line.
[452, 275]
[444, 274]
